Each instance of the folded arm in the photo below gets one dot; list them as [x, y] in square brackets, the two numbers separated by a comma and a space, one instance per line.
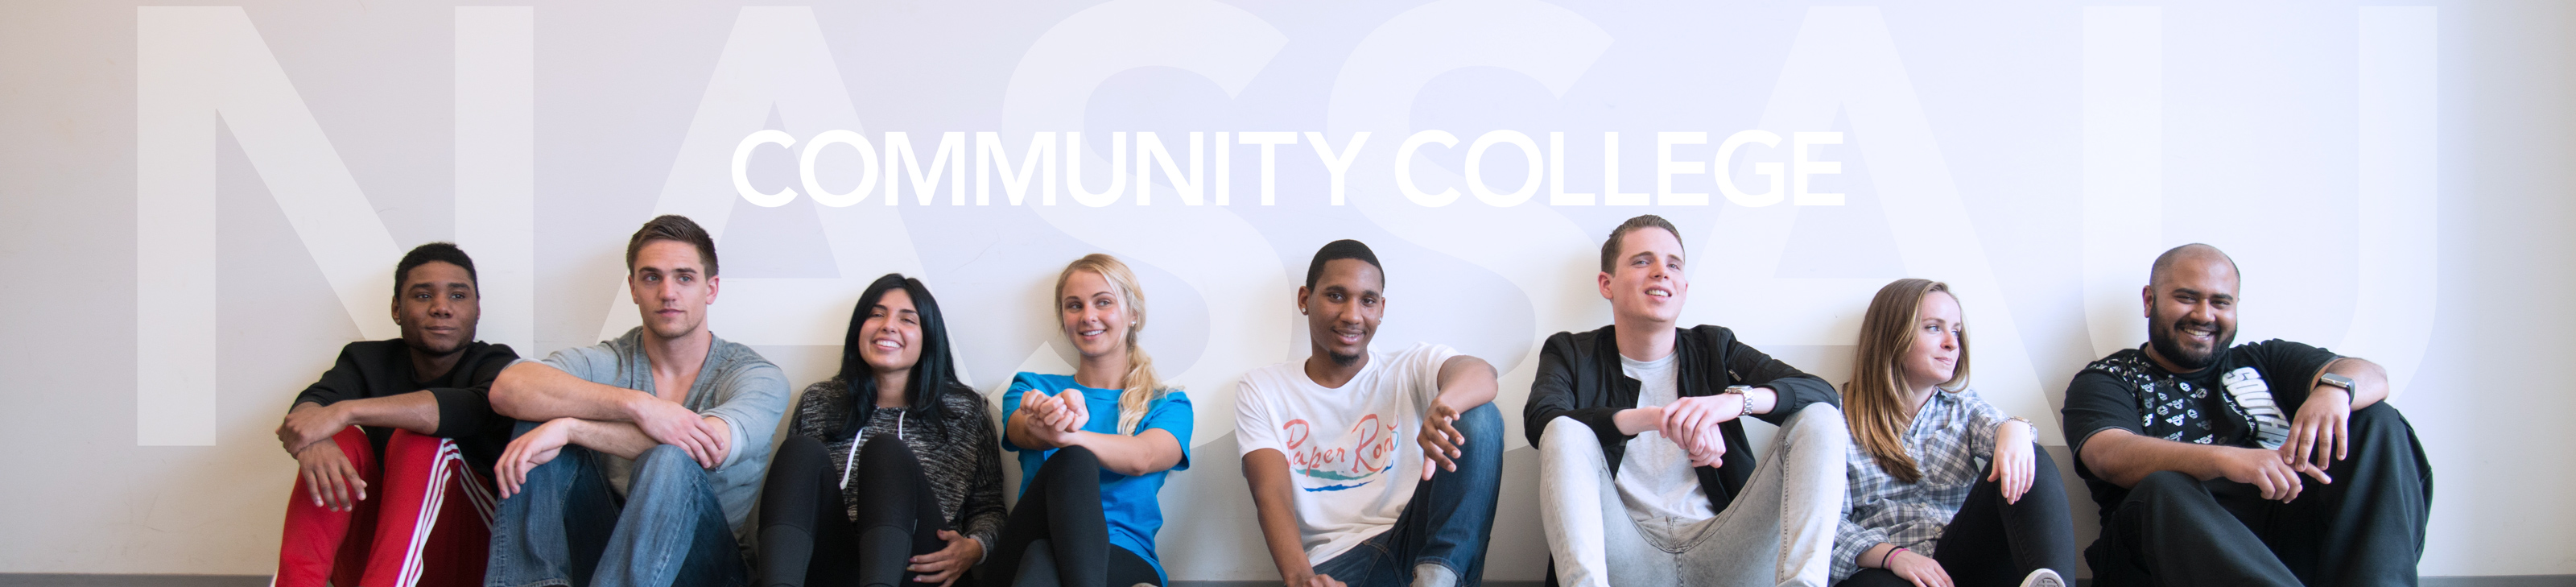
[536, 392]
[1779, 390]
[2125, 458]
[1147, 452]
[1044, 422]
[1466, 382]
[617, 438]
[2369, 380]
[312, 422]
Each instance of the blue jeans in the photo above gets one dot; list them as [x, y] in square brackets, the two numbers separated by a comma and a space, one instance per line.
[566, 527]
[1447, 522]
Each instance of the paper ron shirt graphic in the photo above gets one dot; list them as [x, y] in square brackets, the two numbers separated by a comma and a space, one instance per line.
[1361, 455]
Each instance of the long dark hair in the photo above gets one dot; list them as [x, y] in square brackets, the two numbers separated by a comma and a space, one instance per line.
[933, 375]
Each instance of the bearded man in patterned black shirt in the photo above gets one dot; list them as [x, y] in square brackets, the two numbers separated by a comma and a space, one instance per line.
[2271, 463]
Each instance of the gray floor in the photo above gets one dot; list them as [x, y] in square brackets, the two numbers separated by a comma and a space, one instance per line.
[85, 580]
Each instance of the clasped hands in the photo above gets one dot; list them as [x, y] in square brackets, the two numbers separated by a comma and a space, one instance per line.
[1055, 419]
[1692, 423]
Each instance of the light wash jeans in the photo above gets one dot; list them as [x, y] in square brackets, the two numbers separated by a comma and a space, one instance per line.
[1778, 531]
[565, 527]
[1448, 522]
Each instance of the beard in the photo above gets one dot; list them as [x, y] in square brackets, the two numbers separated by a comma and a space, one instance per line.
[1342, 359]
[2162, 338]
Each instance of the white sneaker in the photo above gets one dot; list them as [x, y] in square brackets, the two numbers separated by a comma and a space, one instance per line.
[2043, 578]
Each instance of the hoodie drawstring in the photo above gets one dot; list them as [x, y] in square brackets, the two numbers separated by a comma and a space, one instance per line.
[849, 462]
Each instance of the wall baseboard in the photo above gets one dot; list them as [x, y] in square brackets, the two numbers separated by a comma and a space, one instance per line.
[1276, 583]
[2503, 581]
[105, 580]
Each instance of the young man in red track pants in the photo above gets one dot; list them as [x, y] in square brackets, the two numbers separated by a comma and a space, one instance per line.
[395, 444]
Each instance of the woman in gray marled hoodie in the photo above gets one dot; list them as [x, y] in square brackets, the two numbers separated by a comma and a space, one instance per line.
[922, 495]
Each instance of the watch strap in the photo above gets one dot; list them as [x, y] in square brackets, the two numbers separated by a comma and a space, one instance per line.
[2338, 381]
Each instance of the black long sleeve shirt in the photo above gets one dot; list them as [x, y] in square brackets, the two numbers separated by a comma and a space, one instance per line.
[1579, 377]
[382, 368]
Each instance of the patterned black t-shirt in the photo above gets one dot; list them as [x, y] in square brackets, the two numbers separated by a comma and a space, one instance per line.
[2243, 399]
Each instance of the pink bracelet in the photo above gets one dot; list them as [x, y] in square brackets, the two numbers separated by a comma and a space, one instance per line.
[1891, 557]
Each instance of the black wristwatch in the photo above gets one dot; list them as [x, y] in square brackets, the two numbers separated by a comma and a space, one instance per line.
[2339, 381]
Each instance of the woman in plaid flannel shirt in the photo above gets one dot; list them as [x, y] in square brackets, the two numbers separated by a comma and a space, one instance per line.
[1944, 488]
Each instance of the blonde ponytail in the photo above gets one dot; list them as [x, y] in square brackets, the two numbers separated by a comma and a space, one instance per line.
[1143, 385]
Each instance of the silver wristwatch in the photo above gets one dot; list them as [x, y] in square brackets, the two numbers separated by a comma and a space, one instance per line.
[1746, 400]
[2339, 381]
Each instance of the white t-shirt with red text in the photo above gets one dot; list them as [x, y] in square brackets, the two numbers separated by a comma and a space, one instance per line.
[1351, 452]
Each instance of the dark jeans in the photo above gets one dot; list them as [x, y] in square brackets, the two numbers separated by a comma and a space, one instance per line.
[2366, 528]
[566, 527]
[1448, 521]
[1991, 542]
[801, 514]
[1058, 535]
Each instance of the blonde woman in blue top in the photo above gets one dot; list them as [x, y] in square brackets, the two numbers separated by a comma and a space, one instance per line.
[1094, 446]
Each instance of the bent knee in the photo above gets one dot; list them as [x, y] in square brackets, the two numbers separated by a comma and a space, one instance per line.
[406, 438]
[1072, 460]
[408, 452]
[799, 447]
[2043, 468]
[1818, 422]
[1484, 418]
[353, 441]
[2161, 483]
[884, 446]
[665, 459]
[1563, 432]
[2379, 418]
[1814, 412]
[1483, 427]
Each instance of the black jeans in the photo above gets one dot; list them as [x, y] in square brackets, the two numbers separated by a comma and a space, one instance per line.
[801, 516]
[2366, 528]
[1991, 542]
[1058, 535]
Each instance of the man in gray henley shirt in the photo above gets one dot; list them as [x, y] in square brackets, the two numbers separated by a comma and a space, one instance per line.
[637, 461]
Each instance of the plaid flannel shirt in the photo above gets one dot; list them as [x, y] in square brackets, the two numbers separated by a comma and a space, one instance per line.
[1952, 441]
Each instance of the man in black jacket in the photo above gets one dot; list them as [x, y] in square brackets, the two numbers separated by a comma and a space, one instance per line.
[394, 441]
[1645, 476]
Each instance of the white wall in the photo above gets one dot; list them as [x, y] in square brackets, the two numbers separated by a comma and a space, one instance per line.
[2393, 180]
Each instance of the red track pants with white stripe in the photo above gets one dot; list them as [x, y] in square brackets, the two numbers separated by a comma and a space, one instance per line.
[427, 520]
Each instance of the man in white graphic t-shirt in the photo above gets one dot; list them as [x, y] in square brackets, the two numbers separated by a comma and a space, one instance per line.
[1370, 468]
